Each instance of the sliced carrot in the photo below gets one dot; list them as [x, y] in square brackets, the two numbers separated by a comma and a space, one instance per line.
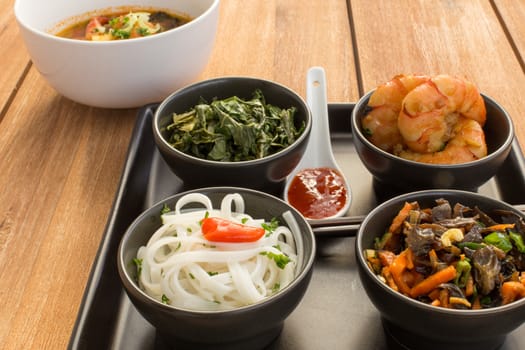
[432, 256]
[434, 294]
[410, 258]
[395, 227]
[433, 281]
[469, 287]
[444, 298]
[386, 257]
[388, 277]
[500, 227]
[397, 268]
[511, 291]
[412, 277]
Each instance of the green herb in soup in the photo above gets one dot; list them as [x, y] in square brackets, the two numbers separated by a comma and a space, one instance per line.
[234, 129]
[130, 24]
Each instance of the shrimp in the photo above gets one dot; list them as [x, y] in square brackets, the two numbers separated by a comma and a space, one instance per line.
[436, 119]
[432, 109]
[380, 123]
[466, 144]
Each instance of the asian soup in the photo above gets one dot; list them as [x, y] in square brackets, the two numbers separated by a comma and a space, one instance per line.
[122, 23]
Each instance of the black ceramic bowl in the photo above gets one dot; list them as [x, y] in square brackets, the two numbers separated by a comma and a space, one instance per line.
[406, 175]
[268, 173]
[415, 325]
[248, 327]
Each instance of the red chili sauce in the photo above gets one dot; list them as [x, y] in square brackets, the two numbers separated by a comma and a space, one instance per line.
[317, 193]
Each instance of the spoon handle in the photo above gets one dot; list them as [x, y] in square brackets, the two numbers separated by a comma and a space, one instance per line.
[319, 146]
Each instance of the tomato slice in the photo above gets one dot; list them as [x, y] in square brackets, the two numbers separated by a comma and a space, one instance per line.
[94, 23]
[222, 230]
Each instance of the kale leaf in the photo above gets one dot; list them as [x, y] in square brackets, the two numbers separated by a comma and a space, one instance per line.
[234, 129]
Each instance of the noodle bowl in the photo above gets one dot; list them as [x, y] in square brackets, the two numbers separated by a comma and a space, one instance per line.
[201, 291]
[180, 267]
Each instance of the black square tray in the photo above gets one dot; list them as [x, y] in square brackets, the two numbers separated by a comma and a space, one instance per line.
[335, 312]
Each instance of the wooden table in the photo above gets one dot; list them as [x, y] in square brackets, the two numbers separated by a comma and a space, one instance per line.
[61, 161]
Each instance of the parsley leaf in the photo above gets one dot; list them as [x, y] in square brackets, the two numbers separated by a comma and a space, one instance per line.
[165, 209]
[138, 264]
[165, 299]
[281, 260]
[271, 226]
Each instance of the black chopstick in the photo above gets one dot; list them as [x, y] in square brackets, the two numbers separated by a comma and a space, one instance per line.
[348, 226]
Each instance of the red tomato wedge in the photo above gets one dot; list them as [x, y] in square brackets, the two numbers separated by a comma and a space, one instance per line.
[93, 24]
[222, 230]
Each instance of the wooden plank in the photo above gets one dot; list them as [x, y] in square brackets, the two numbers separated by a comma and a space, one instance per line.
[61, 161]
[512, 15]
[279, 40]
[461, 38]
[14, 55]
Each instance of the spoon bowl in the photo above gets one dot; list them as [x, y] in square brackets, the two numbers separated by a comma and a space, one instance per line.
[318, 180]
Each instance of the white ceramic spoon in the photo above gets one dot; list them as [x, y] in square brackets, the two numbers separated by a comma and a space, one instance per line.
[318, 152]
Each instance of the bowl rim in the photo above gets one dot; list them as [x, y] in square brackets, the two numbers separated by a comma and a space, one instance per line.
[228, 164]
[505, 146]
[213, 7]
[308, 259]
[437, 193]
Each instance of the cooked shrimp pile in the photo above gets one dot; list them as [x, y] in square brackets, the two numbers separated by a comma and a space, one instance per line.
[453, 256]
[427, 119]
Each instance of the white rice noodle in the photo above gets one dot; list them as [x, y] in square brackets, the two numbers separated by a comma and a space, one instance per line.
[182, 268]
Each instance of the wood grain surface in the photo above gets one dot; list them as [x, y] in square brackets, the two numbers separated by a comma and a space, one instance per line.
[61, 161]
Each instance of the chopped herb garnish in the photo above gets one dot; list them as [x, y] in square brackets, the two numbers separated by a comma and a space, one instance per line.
[138, 264]
[206, 215]
[280, 259]
[276, 287]
[269, 227]
[165, 299]
[192, 276]
[212, 273]
[121, 34]
[143, 31]
[165, 209]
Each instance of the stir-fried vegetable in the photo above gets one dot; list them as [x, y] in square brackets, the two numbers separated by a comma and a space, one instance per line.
[234, 129]
[455, 257]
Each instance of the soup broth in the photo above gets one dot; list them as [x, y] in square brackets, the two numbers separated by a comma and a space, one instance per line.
[124, 23]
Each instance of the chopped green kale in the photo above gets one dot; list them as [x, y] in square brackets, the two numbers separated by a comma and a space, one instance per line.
[234, 129]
